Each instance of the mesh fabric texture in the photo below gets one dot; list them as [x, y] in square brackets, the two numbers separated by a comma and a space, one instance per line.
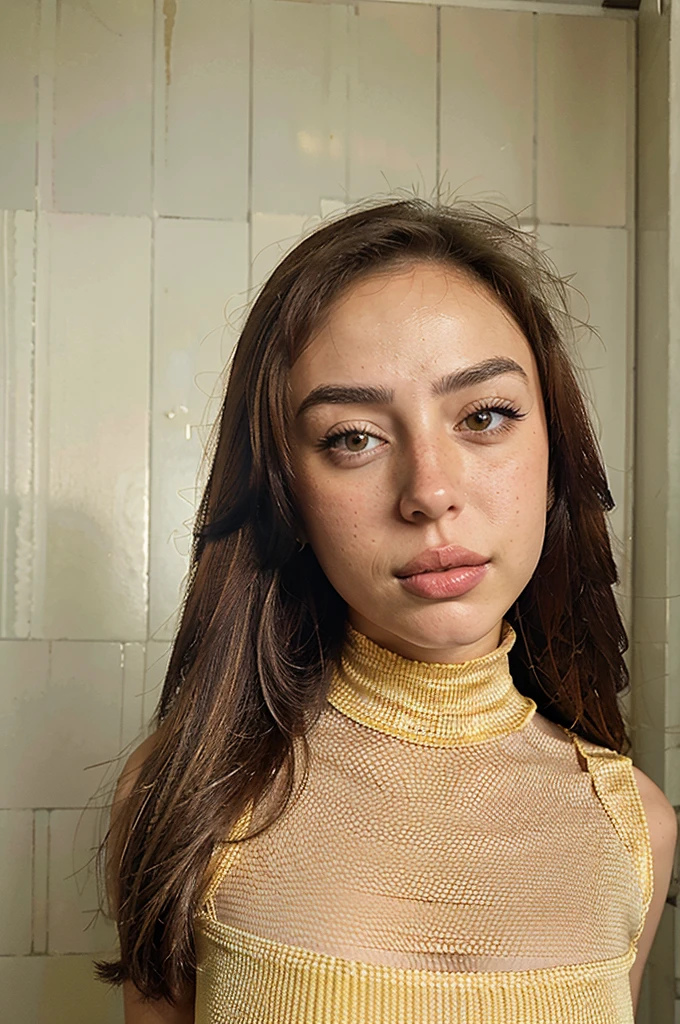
[453, 857]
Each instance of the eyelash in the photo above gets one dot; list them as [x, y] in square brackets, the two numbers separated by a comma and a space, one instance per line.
[509, 411]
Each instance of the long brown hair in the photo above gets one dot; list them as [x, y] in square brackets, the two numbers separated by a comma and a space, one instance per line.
[260, 623]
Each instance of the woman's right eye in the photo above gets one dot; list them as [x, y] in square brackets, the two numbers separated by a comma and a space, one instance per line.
[359, 437]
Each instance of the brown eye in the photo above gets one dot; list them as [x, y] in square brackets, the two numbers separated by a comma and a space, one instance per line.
[352, 438]
[479, 420]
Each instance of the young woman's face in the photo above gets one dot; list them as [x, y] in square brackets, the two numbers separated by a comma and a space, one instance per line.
[423, 463]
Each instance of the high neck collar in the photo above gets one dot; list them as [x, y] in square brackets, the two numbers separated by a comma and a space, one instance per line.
[430, 703]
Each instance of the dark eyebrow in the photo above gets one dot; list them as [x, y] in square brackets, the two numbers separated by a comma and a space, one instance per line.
[377, 394]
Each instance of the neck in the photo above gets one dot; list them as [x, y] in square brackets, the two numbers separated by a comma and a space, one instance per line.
[430, 703]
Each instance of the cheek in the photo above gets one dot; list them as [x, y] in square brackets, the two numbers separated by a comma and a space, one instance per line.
[516, 496]
[322, 503]
[343, 516]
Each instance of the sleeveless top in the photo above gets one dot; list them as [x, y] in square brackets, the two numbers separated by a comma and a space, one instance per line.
[452, 857]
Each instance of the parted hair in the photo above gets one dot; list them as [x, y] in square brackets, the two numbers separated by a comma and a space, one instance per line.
[260, 625]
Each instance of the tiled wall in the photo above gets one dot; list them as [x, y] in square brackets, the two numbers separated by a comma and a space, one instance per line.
[154, 165]
[656, 563]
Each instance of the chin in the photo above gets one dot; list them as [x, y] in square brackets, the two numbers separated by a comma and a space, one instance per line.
[447, 624]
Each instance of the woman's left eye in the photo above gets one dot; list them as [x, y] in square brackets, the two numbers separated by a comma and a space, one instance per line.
[482, 416]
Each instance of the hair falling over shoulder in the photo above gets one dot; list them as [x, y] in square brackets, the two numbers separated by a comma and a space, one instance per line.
[261, 625]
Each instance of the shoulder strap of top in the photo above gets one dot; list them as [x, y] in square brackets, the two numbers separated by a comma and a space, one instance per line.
[616, 786]
[223, 858]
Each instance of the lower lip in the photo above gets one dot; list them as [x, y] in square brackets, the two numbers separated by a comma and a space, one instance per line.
[451, 583]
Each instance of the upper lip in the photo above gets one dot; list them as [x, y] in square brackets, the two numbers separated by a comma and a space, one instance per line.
[450, 557]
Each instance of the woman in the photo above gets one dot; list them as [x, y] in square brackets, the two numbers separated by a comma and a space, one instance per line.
[397, 666]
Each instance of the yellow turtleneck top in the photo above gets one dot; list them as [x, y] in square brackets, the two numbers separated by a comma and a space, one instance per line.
[453, 858]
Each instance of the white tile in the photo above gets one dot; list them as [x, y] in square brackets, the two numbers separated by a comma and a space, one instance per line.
[102, 107]
[299, 105]
[71, 712]
[653, 113]
[41, 829]
[99, 342]
[652, 445]
[673, 692]
[487, 105]
[597, 259]
[76, 923]
[201, 272]
[202, 101]
[16, 855]
[650, 682]
[16, 426]
[273, 235]
[24, 671]
[583, 135]
[393, 130]
[18, 74]
[133, 694]
[56, 990]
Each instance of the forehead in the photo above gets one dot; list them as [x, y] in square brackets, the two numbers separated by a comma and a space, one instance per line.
[409, 321]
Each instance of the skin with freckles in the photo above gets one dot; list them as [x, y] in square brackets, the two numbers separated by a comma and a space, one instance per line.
[467, 466]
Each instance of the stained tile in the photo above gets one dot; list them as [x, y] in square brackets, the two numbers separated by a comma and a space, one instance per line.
[487, 105]
[653, 112]
[650, 682]
[56, 990]
[18, 76]
[16, 854]
[299, 105]
[96, 517]
[392, 114]
[202, 101]
[71, 711]
[201, 270]
[102, 107]
[584, 135]
[16, 421]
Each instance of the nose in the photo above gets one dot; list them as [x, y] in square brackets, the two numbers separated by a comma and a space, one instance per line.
[433, 480]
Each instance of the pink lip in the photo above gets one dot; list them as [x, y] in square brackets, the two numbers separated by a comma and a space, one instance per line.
[446, 583]
[437, 559]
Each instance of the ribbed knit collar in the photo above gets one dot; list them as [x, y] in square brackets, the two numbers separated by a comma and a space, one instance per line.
[430, 703]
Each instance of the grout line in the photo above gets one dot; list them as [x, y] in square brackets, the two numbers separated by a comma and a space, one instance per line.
[121, 722]
[47, 882]
[251, 104]
[53, 956]
[438, 102]
[39, 881]
[7, 339]
[44, 204]
[561, 7]
[33, 886]
[534, 142]
[156, 78]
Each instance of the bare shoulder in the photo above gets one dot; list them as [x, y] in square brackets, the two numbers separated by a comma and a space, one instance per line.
[659, 812]
[663, 829]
